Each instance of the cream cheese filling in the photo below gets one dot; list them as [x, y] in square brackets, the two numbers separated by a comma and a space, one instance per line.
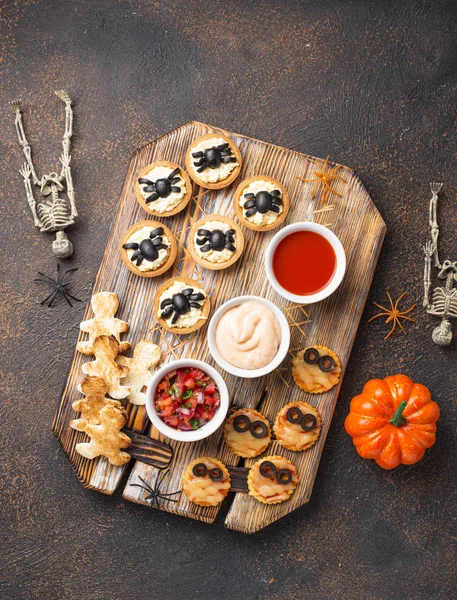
[211, 175]
[192, 317]
[214, 256]
[162, 205]
[147, 265]
[259, 185]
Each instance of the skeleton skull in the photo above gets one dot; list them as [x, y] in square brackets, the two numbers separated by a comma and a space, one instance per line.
[61, 246]
[446, 268]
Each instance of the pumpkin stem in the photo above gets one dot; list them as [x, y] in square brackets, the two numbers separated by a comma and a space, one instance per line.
[398, 419]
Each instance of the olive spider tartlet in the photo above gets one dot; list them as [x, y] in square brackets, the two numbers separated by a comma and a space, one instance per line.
[213, 161]
[261, 203]
[163, 189]
[247, 432]
[272, 479]
[316, 369]
[216, 242]
[181, 305]
[148, 248]
[297, 426]
[206, 481]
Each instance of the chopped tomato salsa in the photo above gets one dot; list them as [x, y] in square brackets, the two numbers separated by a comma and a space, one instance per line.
[186, 399]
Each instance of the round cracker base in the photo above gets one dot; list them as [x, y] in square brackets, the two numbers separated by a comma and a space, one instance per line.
[206, 264]
[173, 211]
[239, 211]
[219, 184]
[205, 308]
[171, 257]
[260, 417]
[187, 481]
[277, 426]
[251, 485]
[296, 370]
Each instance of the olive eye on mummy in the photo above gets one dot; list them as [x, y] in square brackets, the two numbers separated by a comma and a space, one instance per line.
[213, 157]
[307, 422]
[257, 429]
[215, 240]
[180, 304]
[262, 202]
[161, 188]
[268, 469]
[201, 470]
[325, 363]
[148, 248]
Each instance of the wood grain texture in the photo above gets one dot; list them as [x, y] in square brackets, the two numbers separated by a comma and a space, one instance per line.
[334, 322]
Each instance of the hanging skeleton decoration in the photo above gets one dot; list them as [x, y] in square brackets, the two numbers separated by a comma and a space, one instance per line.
[53, 213]
[444, 301]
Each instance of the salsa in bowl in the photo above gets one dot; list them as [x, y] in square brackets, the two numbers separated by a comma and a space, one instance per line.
[187, 400]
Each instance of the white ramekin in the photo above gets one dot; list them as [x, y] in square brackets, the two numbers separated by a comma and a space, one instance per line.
[249, 373]
[206, 429]
[340, 262]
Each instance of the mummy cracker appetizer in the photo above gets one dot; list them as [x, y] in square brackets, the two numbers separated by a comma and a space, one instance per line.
[261, 203]
[247, 432]
[316, 369]
[181, 305]
[216, 242]
[148, 248]
[297, 426]
[163, 189]
[272, 479]
[206, 481]
[213, 161]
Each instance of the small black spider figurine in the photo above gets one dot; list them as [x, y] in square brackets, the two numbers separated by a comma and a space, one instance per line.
[215, 240]
[262, 202]
[154, 493]
[181, 304]
[148, 248]
[211, 158]
[59, 285]
[161, 188]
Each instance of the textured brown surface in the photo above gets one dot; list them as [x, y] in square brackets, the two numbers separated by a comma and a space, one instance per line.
[371, 83]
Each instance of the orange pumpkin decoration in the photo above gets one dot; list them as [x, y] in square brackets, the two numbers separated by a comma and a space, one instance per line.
[393, 421]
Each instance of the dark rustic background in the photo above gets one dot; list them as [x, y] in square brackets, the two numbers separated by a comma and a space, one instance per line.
[373, 84]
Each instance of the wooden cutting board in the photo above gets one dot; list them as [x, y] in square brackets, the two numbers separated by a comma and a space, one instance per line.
[334, 322]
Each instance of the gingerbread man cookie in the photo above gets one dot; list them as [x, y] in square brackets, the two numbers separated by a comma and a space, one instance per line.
[106, 349]
[104, 305]
[94, 390]
[107, 438]
[145, 356]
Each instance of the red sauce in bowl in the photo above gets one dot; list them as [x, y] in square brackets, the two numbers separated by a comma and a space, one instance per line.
[304, 263]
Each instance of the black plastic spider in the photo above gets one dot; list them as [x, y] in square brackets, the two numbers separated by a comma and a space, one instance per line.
[211, 158]
[148, 248]
[59, 286]
[262, 202]
[161, 188]
[154, 492]
[216, 240]
[181, 304]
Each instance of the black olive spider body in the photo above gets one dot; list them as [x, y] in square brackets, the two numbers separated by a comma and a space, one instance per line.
[161, 188]
[213, 157]
[180, 304]
[147, 249]
[216, 240]
[262, 202]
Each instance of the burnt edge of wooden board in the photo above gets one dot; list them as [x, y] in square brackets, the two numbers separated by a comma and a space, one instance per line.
[144, 153]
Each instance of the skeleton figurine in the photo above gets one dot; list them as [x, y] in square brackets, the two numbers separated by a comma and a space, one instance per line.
[52, 214]
[444, 302]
